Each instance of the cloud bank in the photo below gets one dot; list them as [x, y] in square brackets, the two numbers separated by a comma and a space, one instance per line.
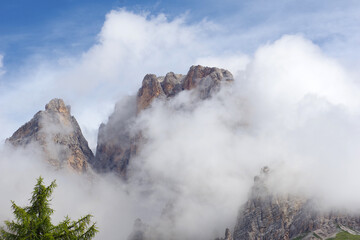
[292, 108]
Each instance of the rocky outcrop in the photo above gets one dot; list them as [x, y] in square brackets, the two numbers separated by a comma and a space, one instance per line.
[151, 89]
[228, 235]
[268, 216]
[205, 79]
[117, 144]
[59, 136]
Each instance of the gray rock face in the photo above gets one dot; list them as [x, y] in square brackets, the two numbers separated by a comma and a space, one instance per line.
[139, 231]
[117, 144]
[172, 84]
[59, 136]
[228, 235]
[266, 216]
[206, 81]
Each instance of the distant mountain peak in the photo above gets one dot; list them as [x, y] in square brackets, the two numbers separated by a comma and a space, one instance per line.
[59, 136]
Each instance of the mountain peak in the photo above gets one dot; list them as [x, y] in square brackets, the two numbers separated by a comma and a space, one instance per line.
[198, 72]
[117, 145]
[205, 79]
[59, 136]
[57, 105]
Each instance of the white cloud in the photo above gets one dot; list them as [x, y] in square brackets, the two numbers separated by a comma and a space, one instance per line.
[235, 63]
[330, 25]
[293, 67]
[284, 73]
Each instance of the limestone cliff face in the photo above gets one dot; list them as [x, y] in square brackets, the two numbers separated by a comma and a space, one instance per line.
[117, 144]
[206, 80]
[59, 136]
[266, 216]
[151, 89]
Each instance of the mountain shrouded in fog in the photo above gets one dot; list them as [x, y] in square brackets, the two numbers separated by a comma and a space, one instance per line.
[124, 142]
[258, 139]
[116, 142]
[58, 134]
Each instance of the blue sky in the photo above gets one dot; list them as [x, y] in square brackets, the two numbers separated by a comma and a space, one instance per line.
[58, 27]
[49, 27]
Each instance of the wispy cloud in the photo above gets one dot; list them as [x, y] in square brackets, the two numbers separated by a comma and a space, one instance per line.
[330, 25]
[2, 70]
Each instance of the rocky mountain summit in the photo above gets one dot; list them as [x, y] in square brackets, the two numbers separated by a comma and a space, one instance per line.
[268, 216]
[59, 136]
[117, 144]
[206, 80]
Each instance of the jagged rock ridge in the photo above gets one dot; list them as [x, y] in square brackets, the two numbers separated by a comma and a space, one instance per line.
[268, 216]
[117, 145]
[207, 81]
[59, 136]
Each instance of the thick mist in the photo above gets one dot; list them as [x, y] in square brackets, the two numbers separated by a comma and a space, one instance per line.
[291, 108]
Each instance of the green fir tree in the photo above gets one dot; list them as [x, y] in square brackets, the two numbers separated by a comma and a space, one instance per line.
[34, 222]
